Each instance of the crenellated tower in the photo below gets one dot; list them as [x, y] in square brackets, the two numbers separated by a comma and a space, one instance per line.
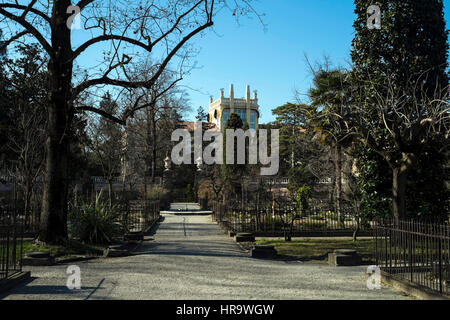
[246, 108]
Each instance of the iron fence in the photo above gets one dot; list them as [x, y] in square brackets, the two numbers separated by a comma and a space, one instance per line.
[416, 252]
[27, 210]
[11, 240]
[280, 219]
[139, 215]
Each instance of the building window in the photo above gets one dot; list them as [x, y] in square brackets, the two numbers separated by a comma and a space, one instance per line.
[253, 117]
[242, 114]
[225, 115]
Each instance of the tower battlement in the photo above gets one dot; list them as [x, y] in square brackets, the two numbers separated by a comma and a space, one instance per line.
[246, 108]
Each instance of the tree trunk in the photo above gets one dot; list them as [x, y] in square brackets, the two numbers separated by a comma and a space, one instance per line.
[27, 202]
[399, 177]
[154, 149]
[53, 224]
[152, 140]
[293, 147]
[338, 167]
[398, 193]
[356, 231]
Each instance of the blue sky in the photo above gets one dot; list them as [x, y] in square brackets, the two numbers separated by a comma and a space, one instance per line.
[271, 61]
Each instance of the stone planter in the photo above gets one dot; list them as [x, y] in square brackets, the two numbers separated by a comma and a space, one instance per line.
[344, 257]
[116, 251]
[244, 237]
[38, 259]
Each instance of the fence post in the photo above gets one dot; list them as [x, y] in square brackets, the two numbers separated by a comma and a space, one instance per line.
[440, 263]
[376, 243]
[385, 233]
[410, 247]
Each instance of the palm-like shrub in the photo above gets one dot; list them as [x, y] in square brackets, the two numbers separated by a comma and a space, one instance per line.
[96, 222]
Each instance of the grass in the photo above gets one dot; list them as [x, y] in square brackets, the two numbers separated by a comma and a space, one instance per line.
[73, 248]
[318, 249]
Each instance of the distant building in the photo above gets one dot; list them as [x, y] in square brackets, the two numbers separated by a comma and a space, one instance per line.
[246, 108]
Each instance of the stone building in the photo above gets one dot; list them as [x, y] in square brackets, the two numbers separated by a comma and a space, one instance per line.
[246, 108]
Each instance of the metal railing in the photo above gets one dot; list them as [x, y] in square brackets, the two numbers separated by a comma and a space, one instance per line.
[27, 207]
[139, 215]
[416, 252]
[11, 232]
[271, 219]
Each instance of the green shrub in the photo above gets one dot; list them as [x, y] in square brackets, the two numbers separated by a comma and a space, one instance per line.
[95, 222]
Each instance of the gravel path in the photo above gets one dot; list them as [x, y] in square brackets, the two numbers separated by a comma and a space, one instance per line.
[190, 258]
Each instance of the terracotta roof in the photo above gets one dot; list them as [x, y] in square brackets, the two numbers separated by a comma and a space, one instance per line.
[190, 125]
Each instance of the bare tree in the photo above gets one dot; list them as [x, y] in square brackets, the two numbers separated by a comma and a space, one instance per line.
[410, 120]
[398, 126]
[126, 29]
[27, 132]
[105, 143]
[155, 113]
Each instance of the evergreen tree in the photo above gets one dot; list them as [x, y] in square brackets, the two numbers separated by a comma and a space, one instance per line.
[398, 71]
[292, 120]
[232, 174]
[412, 41]
[201, 115]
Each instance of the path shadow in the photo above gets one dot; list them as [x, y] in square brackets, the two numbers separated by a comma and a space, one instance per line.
[154, 229]
[186, 248]
[27, 288]
[192, 253]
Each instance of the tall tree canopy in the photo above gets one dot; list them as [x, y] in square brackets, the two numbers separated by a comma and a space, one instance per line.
[401, 86]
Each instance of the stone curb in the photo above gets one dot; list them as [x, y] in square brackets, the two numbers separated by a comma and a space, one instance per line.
[409, 288]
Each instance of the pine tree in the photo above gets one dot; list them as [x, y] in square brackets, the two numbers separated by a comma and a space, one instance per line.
[201, 115]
